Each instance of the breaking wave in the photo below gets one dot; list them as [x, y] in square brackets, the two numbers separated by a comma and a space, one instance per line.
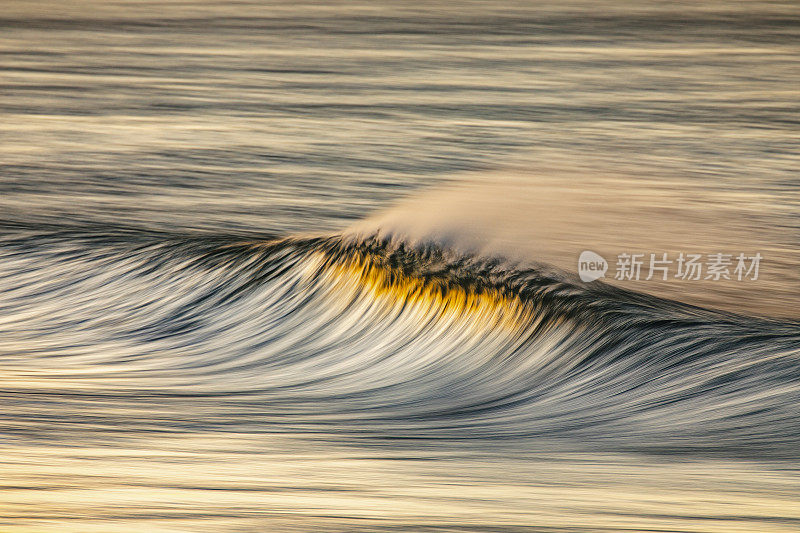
[377, 339]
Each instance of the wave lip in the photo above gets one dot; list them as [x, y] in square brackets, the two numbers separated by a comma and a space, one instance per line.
[375, 338]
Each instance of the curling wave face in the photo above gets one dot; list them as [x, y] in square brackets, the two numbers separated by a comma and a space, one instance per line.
[374, 339]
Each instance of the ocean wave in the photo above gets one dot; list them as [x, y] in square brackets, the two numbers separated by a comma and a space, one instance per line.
[380, 339]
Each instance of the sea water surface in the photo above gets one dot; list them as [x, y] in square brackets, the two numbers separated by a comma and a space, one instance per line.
[286, 266]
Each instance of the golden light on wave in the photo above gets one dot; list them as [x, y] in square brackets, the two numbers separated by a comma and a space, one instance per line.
[487, 307]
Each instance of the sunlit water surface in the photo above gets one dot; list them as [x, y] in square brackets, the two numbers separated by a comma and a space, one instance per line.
[163, 369]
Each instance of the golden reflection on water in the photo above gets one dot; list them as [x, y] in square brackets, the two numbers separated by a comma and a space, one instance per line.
[483, 307]
[261, 482]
